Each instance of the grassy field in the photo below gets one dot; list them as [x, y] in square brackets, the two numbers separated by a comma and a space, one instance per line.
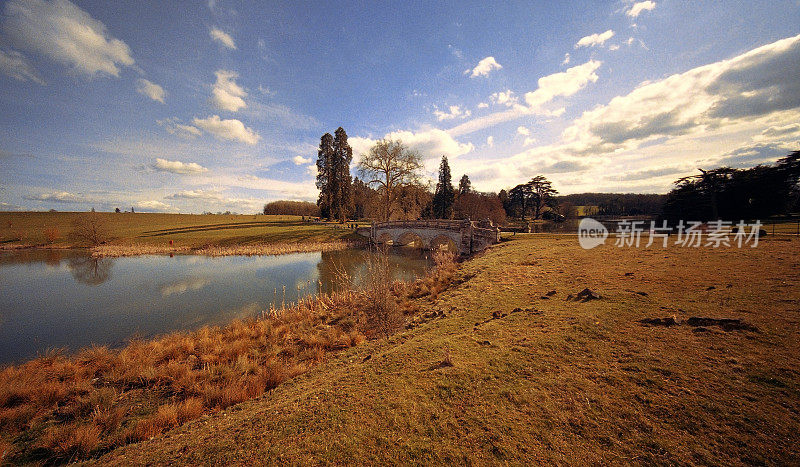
[155, 231]
[505, 367]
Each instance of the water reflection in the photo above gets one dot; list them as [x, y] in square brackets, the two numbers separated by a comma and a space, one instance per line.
[89, 270]
[66, 299]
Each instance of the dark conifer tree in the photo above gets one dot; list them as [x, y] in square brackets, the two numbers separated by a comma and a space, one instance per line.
[444, 196]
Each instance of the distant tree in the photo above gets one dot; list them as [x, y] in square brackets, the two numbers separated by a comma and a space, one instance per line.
[519, 200]
[478, 206]
[412, 201]
[464, 185]
[444, 196]
[325, 177]
[117, 210]
[543, 193]
[389, 165]
[503, 196]
[364, 199]
[291, 208]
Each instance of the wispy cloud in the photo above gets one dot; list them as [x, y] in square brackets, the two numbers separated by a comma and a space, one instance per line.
[66, 34]
[594, 39]
[638, 7]
[227, 129]
[178, 167]
[151, 90]
[15, 65]
[484, 67]
[226, 94]
[222, 37]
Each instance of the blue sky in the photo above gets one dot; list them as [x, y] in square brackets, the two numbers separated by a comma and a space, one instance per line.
[219, 105]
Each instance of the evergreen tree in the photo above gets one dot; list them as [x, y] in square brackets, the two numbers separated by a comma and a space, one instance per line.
[342, 201]
[464, 185]
[325, 178]
[444, 196]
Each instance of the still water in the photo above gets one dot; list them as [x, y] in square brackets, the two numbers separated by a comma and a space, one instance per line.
[65, 299]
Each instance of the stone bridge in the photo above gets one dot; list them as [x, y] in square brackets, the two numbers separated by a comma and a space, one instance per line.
[464, 236]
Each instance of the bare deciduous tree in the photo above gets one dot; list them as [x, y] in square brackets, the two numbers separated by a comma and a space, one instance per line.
[90, 228]
[390, 165]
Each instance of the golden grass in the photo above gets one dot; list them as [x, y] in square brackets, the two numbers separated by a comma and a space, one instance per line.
[59, 408]
[546, 380]
[276, 248]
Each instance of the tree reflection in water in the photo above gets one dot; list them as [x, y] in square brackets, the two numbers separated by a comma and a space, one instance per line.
[89, 270]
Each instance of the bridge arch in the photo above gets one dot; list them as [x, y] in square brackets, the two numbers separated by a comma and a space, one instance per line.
[410, 238]
[444, 242]
[385, 238]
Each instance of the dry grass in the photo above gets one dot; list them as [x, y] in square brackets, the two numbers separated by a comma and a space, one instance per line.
[59, 408]
[547, 380]
[117, 251]
[274, 248]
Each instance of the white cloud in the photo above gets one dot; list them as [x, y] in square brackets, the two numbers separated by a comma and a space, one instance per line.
[566, 59]
[151, 90]
[432, 143]
[613, 47]
[561, 84]
[229, 129]
[174, 127]
[490, 141]
[226, 94]
[57, 197]
[63, 32]
[639, 7]
[484, 67]
[565, 83]
[178, 167]
[312, 171]
[506, 98]
[482, 105]
[222, 37]
[595, 39]
[15, 65]
[761, 82]
[521, 130]
[454, 111]
[300, 160]
[528, 141]
[152, 206]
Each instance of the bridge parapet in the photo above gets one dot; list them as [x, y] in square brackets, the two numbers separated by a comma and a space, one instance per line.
[467, 236]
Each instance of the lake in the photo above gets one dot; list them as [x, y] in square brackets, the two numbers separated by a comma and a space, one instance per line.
[66, 299]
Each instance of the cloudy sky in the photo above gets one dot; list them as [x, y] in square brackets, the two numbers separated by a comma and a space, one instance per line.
[219, 105]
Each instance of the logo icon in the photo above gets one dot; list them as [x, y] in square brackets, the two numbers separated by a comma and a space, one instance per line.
[591, 233]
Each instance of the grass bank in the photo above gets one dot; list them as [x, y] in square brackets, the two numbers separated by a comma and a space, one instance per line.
[60, 408]
[505, 367]
[145, 233]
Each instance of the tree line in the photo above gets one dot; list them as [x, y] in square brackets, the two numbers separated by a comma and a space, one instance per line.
[389, 185]
[737, 194]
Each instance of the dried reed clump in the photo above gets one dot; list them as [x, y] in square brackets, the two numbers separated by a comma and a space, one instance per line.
[116, 251]
[274, 248]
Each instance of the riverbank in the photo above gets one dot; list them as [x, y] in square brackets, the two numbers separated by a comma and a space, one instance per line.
[61, 407]
[122, 234]
[117, 251]
[507, 365]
